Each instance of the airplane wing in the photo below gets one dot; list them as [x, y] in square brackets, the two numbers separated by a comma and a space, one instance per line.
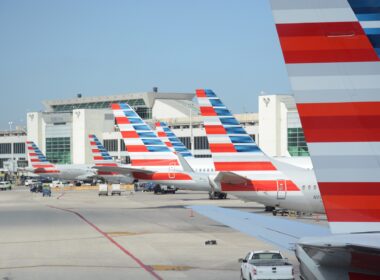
[122, 170]
[280, 232]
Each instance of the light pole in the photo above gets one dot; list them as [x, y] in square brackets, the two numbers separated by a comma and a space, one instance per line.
[10, 125]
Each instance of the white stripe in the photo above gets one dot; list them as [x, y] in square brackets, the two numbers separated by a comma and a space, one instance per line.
[347, 174]
[133, 141]
[240, 157]
[352, 227]
[370, 24]
[211, 121]
[345, 149]
[219, 139]
[204, 102]
[118, 113]
[314, 15]
[341, 95]
[335, 82]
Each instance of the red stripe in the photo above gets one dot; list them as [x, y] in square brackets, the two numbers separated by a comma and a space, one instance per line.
[108, 173]
[30, 148]
[325, 42]
[160, 176]
[351, 202]
[154, 162]
[35, 160]
[45, 171]
[349, 188]
[115, 106]
[136, 148]
[95, 150]
[207, 111]
[339, 109]
[92, 143]
[98, 158]
[122, 120]
[222, 148]
[33, 154]
[258, 185]
[353, 215]
[341, 122]
[200, 93]
[161, 134]
[138, 261]
[129, 134]
[157, 124]
[43, 166]
[168, 144]
[215, 129]
[244, 166]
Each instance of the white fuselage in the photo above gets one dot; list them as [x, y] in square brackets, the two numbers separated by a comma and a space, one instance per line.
[70, 172]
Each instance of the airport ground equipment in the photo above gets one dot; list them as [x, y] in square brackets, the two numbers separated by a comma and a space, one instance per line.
[115, 189]
[265, 265]
[103, 189]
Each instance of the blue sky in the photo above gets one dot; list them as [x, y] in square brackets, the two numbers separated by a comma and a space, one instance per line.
[55, 49]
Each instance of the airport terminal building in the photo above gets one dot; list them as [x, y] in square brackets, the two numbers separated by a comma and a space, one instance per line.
[61, 130]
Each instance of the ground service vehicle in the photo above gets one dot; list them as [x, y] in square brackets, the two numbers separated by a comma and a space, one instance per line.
[5, 185]
[265, 265]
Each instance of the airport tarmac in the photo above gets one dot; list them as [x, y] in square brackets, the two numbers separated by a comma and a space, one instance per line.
[79, 235]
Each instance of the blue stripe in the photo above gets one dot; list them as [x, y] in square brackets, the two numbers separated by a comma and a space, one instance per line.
[216, 102]
[142, 127]
[241, 139]
[147, 134]
[135, 120]
[124, 106]
[222, 112]
[235, 130]
[375, 40]
[366, 10]
[210, 93]
[130, 113]
[152, 141]
[368, 17]
[158, 149]
[372, 31]
[247, 148]
[229, 121]
[363, 3]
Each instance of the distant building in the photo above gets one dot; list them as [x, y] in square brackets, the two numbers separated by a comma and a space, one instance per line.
[12, 149]
[61, 130]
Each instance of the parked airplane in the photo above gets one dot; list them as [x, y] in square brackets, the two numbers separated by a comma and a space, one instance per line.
[198, 165]
[151, 159]
[102, 158]
[42, 167]
[247, 172]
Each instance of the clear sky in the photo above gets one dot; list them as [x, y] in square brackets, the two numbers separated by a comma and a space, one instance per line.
[53, 49]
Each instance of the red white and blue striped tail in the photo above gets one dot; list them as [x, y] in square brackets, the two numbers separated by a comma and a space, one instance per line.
[38, 160]
[142, 144]
[100, 154]
[171, 140]
[232, 148]
[334, 73]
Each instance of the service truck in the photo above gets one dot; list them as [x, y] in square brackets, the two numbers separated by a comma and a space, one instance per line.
[265, 265]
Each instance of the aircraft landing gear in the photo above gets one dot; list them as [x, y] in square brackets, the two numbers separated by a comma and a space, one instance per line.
[217, 195]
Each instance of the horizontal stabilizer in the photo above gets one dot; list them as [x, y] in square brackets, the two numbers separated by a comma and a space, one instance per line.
[185, 165]
[279, 232]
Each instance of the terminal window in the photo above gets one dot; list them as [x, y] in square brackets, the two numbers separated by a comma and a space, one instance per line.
[296, 142]
[58, 150]
[5, 148]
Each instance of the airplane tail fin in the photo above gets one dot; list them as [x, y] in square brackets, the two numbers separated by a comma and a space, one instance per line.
[334, 73]
[100, 154]
[38, 160]
[171, 140]
[232, 148]
[142, 144]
